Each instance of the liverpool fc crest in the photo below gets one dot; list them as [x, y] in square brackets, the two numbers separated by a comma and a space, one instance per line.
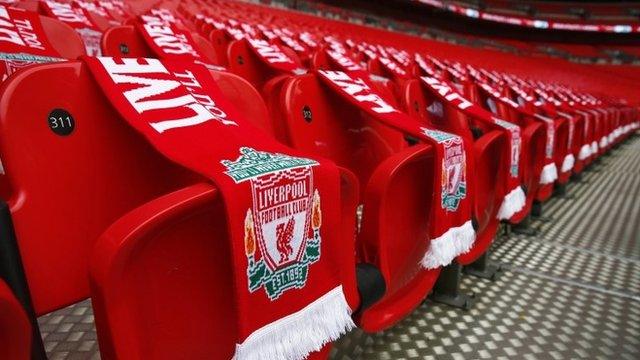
[516, 143]
[282, 228]
[15, 61]
[454, 184]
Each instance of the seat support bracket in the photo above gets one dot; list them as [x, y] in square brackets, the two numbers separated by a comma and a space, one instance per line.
[447, 288]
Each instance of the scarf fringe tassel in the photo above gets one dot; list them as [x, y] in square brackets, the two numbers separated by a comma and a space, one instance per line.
[444, 249]
[297, 335]
[513, 202]
[549, 174]
[567, 163]
[585, 152]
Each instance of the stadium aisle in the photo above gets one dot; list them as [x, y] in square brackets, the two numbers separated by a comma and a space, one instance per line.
[568, 292]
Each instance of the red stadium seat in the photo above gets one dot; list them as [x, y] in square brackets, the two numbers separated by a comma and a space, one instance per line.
[326, 59]
[576, 140]
[63, 38]
[243, 61]
[61, 42]
[220, 42]
[64, 41]
[489, 176]
[533, 138]
[397, 193]
[561, 147]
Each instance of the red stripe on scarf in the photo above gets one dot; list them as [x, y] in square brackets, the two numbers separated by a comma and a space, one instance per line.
[23, 41]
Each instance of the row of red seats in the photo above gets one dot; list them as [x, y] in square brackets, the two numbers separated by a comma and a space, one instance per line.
[102, 214]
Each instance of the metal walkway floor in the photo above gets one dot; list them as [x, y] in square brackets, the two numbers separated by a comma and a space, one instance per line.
[572, 291]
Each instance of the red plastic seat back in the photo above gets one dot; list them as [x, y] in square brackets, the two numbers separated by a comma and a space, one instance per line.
[601, 126]
[147, 262]
[421, 106]
[64, 39]
[320, 60]
[596, 128]
[243, 61]
[124, 41]
[561, 141]
[578, 134]
[375, 67]
[320, 122]
[396, 228]
[533, 159]
[220, 42]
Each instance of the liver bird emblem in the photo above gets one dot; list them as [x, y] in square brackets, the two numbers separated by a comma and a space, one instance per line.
[284, 235]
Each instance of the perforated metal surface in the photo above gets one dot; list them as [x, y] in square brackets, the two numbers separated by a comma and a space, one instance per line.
[518, 316]
[572, 291]
[70, 333]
